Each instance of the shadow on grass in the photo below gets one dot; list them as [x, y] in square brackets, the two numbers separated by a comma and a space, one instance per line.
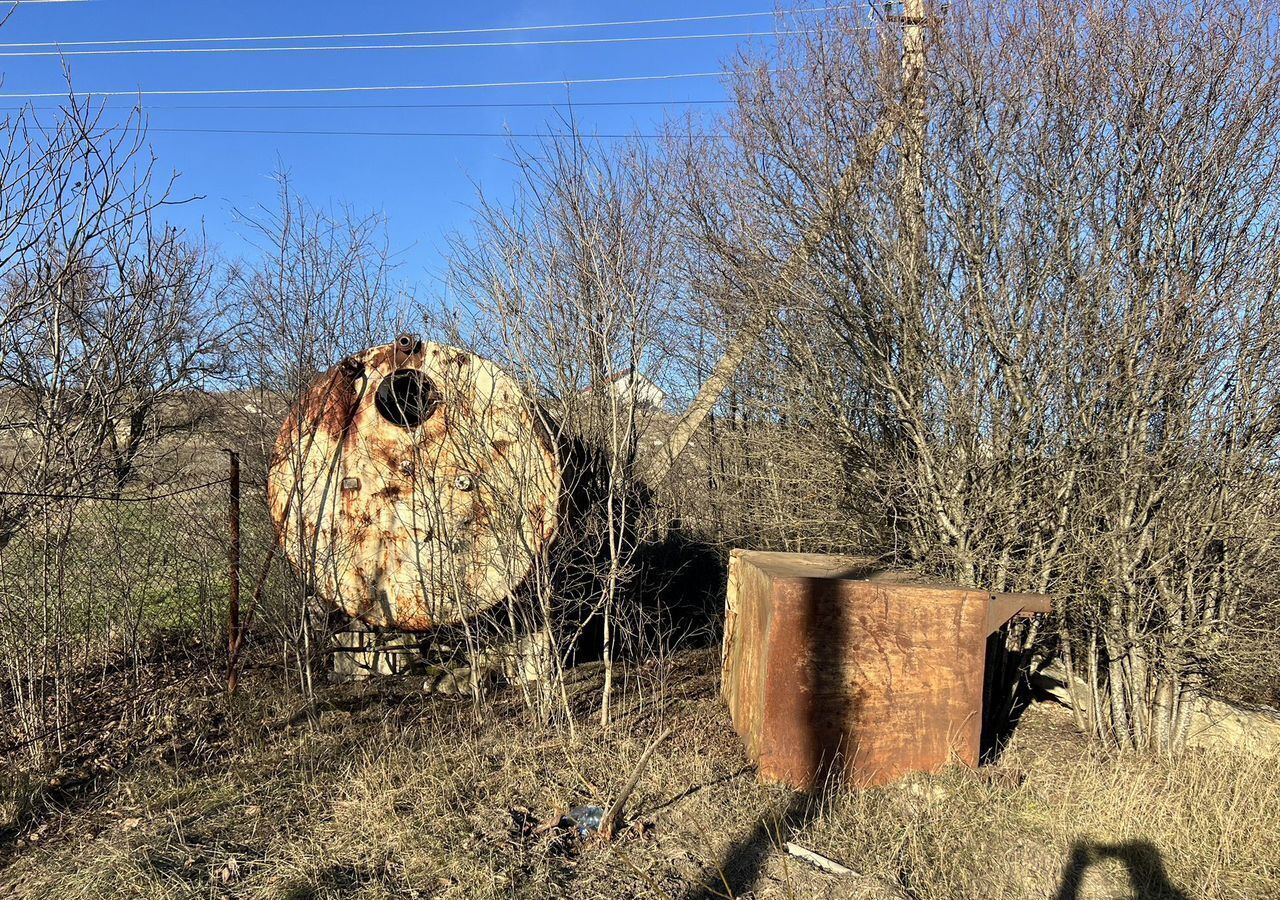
[1142, 861]
[741, 865]
[690, 791]
[336, 879]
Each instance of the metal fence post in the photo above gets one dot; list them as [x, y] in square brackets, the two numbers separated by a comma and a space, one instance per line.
[233, 561]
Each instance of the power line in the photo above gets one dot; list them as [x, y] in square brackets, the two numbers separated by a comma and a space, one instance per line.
[351, 89]
[454, 45]
[427, 33]
[433, 134]
[500, 104]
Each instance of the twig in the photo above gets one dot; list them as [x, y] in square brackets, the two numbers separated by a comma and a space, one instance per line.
[817, 859]
[610, 820]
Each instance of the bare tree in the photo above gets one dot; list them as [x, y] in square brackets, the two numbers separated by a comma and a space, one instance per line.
[111, 331]
[321, 287]
[571, 286]
[108, 315]
[1077, 394]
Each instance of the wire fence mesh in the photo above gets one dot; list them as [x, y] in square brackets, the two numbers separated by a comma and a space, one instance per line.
[95, 584]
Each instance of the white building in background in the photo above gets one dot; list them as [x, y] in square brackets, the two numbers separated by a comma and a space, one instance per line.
[632, 387]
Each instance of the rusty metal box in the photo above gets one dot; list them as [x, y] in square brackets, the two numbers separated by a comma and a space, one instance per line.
[830, 667]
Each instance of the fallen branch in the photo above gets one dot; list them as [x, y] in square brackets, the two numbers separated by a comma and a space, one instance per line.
[610, 821]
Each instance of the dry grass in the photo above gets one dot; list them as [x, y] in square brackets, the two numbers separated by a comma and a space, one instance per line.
[386, 793]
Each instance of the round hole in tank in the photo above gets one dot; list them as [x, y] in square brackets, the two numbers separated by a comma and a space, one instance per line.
[406, 398]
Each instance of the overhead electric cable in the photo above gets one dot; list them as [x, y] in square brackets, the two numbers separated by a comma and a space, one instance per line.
[147, 129]
[354, 89]
[454, 45]
[423, 33]
[497, 104]
[458, 134]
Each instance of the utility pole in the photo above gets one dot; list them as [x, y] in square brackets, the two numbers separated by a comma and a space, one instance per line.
[913, 136]
[234, 631]
[727, 366]
[911, 114]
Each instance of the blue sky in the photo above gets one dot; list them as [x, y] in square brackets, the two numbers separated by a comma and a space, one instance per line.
[422, 184]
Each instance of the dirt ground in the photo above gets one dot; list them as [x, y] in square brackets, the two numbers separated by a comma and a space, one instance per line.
[380, 791]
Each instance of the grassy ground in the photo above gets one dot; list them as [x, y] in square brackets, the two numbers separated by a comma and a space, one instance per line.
[383, 792]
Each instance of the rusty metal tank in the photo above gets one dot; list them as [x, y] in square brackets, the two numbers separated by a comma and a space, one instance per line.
[418, 485]
[832, 666]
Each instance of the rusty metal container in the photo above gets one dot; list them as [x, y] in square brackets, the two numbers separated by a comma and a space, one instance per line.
[416, 485]
[830, 667]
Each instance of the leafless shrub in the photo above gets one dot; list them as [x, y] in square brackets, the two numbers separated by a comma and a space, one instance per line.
[572, 291]
[111, 321]
[111, 327]
[1077, 392]
[321, 287]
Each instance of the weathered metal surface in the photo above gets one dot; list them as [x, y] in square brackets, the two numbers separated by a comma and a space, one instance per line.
[415, 483]
[365, 654]
[829, 666]
[1007, 606]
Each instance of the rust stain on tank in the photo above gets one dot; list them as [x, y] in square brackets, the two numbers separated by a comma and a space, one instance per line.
[417, 484]
[327, 407]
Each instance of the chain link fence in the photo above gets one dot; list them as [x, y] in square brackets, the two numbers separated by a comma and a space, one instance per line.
[92, 586]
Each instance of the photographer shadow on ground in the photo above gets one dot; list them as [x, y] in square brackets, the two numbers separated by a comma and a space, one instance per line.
[1147, 877]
